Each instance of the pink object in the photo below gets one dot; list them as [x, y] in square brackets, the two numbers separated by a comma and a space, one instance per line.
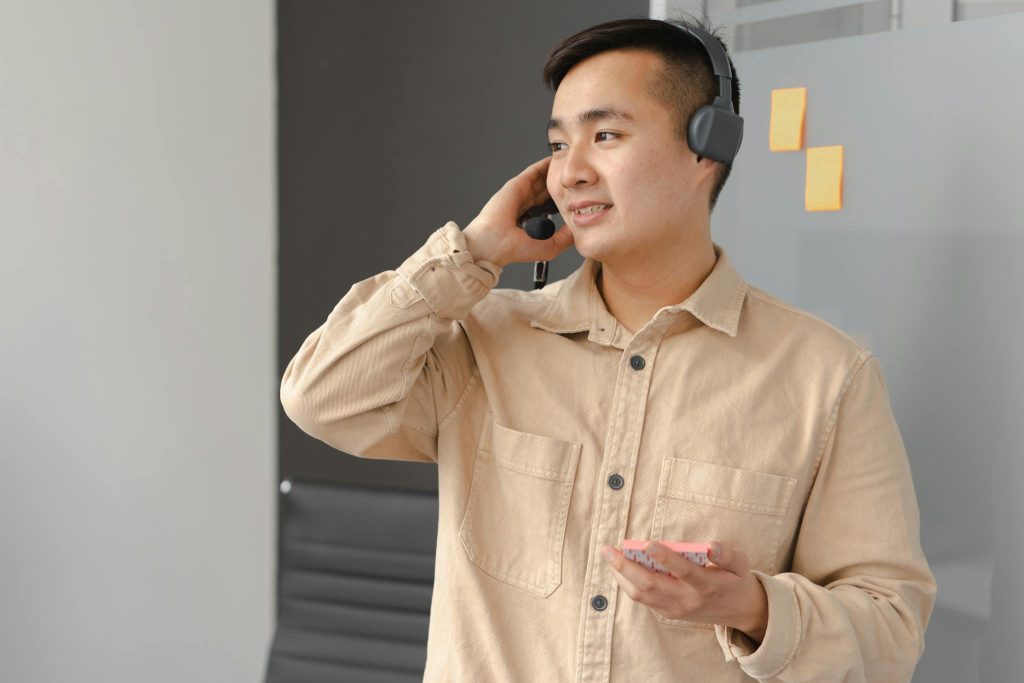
[698, 553]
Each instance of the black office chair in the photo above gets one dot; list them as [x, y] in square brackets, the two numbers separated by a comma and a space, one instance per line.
[354, 588]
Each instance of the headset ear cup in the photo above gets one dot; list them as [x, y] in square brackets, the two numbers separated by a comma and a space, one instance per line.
[698, 132]
[715, 134]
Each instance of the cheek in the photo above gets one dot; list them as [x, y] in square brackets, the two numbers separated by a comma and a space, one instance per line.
[640, 184]
[555, 192]
[661, 184]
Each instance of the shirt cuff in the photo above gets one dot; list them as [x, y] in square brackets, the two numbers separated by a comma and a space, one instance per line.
[444, 273]
[781, 638]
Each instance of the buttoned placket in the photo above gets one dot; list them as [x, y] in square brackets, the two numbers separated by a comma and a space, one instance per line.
[625, 427]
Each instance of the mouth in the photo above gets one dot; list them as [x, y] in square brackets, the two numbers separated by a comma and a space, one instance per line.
[591, 214]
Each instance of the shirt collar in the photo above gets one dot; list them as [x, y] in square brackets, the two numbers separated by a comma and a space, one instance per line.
[578, 305]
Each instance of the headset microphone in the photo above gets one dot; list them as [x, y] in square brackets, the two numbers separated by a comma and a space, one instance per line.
[540, 228]
[537, 220]
[538, 224]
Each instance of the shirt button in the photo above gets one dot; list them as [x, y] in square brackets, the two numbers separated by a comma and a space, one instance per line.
[637, 362]
[599, 603]
[616, 481]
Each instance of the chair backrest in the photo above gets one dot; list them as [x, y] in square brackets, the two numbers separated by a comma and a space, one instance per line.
[354, 586]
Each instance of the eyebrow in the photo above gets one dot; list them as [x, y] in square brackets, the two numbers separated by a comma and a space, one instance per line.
[598, 114]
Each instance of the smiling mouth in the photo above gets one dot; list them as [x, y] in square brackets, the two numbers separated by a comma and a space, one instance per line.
[592, 209]
[591, 218]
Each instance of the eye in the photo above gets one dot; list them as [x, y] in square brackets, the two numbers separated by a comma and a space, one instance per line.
[553, 146]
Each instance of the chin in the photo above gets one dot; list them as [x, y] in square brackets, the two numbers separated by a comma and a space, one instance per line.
[595, 242]
[588, 249]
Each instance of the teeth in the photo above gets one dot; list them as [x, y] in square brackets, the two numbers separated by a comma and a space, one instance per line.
[594, 208]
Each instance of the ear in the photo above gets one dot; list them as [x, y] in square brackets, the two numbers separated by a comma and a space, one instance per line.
[705, 161]
[707, 167]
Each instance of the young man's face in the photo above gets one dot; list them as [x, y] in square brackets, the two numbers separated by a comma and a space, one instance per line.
[651, 178]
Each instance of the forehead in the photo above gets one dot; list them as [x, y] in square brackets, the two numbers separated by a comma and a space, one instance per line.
[616, 80]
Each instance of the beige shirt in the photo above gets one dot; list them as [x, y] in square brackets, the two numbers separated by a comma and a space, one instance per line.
[731, 416]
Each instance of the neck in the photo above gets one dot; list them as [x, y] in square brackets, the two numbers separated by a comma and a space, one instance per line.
[634, 292]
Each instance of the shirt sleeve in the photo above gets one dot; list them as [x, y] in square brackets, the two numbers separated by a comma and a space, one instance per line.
[380, 375]
[857, 602]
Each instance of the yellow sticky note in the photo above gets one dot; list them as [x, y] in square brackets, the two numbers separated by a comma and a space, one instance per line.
[824, 178]
[786, 131]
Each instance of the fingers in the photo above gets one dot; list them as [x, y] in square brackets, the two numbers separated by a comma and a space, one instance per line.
[557, 243]
[644, 585]
[529, 249]
[691, 591]
[527, 188]
[534, 199]
[634, 575]
[536, 175]
[677, 565]
[537, 168]
[563, 238]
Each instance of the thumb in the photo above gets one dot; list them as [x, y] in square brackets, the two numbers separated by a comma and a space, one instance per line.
[728, 558]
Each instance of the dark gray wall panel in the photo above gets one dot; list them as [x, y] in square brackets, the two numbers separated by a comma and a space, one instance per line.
[393, 119]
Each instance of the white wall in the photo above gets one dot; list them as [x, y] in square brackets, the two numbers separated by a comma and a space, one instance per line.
[137, 327]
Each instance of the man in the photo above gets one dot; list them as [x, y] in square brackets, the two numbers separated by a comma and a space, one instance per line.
[652, 394]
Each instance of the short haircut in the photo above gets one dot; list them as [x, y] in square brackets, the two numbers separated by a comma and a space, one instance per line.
[685, 82]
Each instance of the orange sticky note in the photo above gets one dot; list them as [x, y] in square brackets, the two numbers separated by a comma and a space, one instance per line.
[824, 178]
[786, 130]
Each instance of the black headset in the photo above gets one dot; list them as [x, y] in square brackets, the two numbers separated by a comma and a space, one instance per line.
[715, 131]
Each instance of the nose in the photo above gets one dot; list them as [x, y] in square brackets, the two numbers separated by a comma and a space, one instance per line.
[576, 168]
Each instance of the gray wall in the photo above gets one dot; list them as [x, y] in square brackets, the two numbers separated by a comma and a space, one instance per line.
[137, 273]
[923, 265]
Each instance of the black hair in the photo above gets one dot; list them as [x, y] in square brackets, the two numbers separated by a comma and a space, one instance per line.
[685, 82]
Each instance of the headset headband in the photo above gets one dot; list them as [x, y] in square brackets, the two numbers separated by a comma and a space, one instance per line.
[716, 130]
[719, 63]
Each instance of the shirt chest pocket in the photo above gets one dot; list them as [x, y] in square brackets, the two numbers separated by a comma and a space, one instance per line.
[704, 501]
[514, 524]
